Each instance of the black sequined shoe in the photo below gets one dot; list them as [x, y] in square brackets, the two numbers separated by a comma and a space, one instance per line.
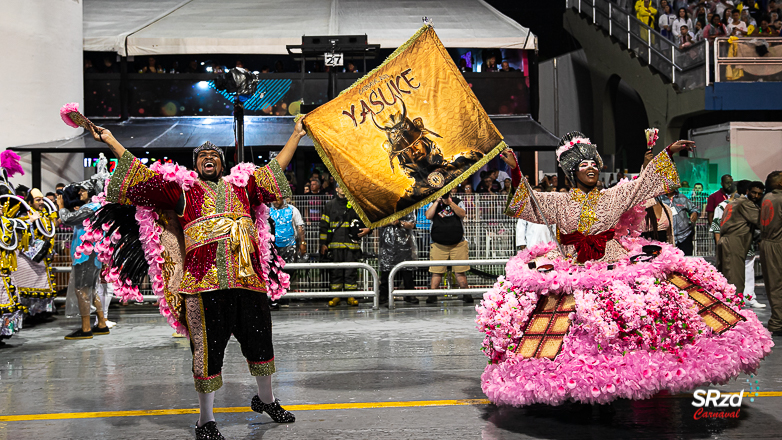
[208, 432]
[274, 410]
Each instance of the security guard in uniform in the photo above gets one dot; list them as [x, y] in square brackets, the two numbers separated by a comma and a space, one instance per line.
[340, 235]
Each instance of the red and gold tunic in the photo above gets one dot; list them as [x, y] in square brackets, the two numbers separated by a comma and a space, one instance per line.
[221, 241]
[598, 211]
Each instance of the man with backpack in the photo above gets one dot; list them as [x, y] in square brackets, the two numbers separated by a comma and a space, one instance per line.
[288, 235]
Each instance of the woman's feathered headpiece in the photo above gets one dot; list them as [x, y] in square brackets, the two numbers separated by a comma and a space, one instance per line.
[573, 148]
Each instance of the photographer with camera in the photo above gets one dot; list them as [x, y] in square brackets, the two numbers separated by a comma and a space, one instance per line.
[340, 241]
[448, 243]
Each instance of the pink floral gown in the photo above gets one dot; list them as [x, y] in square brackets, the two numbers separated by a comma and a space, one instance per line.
[625, 324]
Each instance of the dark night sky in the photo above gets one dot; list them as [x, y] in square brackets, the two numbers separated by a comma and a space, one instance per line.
[544, 18]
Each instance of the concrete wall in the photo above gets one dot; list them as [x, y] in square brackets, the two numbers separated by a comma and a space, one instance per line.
[565, 95]
[42, 56]
[62, 167]
[665, 108]
[55, 168]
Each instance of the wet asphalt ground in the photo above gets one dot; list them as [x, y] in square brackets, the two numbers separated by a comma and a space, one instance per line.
[421, 363]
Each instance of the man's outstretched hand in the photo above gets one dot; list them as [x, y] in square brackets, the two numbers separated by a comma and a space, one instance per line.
[299, 130]
[509, 158]
[286, 154]
[101, 134]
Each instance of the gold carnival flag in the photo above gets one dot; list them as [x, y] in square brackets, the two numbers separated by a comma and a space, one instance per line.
[405, 133]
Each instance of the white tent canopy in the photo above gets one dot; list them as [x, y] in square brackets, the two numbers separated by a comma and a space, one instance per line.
[150, 27]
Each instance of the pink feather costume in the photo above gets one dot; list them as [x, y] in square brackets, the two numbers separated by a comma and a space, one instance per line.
[161, 242]
[616, 328]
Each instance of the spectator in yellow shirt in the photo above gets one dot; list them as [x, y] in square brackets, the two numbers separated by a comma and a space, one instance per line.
[646, 14]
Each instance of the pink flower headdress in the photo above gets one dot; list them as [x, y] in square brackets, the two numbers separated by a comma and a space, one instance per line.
[573, 148]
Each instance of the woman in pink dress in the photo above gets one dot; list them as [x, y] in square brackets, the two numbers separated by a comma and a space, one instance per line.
[616, 316]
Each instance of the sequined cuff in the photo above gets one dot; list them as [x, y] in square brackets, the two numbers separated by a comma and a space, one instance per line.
[205, 385]
[262, 368]
[128, 170]
[517, 201]
[664, 167]
[272, 178]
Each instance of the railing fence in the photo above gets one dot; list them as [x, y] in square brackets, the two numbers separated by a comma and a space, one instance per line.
[491, 235]
[683, 67]
[748, 59]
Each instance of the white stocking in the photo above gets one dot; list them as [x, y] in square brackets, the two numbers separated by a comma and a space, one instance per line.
[749, 279]
[265, 392]
[206, 404]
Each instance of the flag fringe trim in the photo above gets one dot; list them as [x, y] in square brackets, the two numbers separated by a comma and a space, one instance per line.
[399, 214]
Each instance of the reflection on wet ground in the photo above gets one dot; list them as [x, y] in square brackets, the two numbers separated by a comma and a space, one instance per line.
[323, 356]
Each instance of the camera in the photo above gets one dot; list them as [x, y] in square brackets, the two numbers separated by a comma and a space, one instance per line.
[59, 192]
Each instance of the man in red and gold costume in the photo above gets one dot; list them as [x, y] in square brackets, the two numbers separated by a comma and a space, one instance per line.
[221, 285]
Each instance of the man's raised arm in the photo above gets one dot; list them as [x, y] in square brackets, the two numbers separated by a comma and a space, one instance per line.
[286, 154]
[101, 134]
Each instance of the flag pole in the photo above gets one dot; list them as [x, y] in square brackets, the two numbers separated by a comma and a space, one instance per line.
[545, 221]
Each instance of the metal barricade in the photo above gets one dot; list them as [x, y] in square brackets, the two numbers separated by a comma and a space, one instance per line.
[375, 292]
[434, 292]
[61, 256]
[311, 209]
[490, 234]
[704, 240]
[488, 231]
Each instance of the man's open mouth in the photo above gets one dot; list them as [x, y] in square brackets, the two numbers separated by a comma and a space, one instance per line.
[209, 165]
[591, 174]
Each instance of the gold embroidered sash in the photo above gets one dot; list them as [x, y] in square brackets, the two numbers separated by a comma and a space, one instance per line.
[236, 228]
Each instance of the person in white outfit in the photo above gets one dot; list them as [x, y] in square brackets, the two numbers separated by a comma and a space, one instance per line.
[665, 22]
[749, 281]
[530, 234]
[682, 19]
